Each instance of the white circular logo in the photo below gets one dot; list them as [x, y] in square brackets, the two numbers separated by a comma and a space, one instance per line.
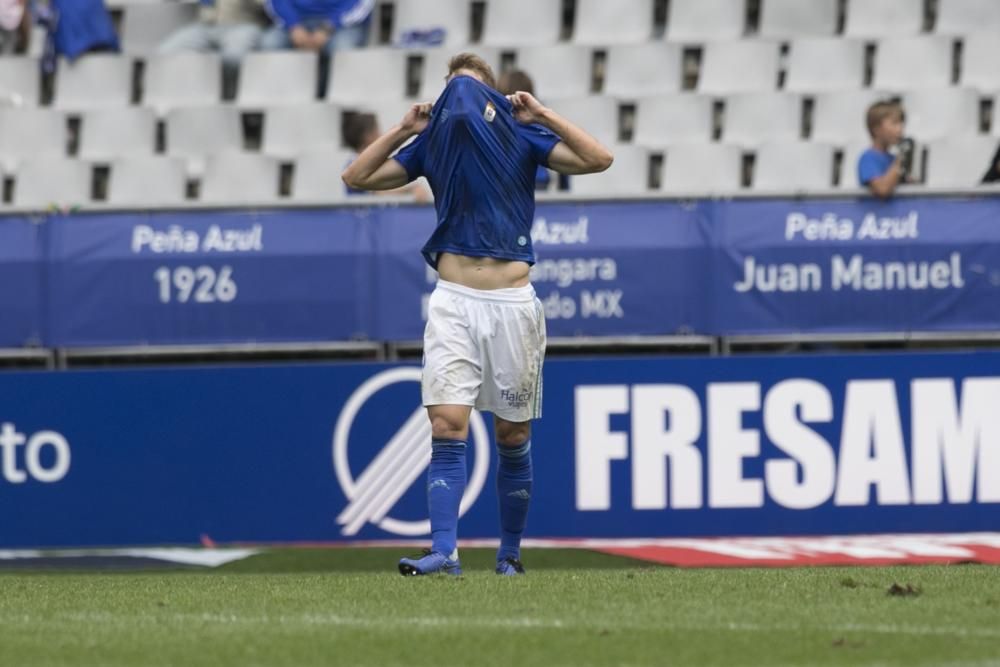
[402, 460]
[522, 240]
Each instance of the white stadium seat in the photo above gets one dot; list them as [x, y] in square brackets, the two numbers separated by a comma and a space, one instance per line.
[825, 64]
[238, 178]
[673, 119]
[388, 112]
[693, 21]
[269, 78]
[959, 17]
[289, 130]
[513, 23]
[849, 165]
[938, 113]
[558, 71]
[31, 133]
[628, 175]
[20, 81]
[454, 16]
[737, 67]
[42, 182]
[317, 176]
[602, 22]
[884, 18]
[701, 169]
[638, 70]
[435, 68]
[147, 181]
[958, 162]
[110, 133]
[980, 56]
[145, 26]
[182, 80]
[786, 19]
[94, 81]
[597, 113]
[841, 118]
[755, 118]
[363, 75]
[793, 165]
[193, 133]
[913, 62]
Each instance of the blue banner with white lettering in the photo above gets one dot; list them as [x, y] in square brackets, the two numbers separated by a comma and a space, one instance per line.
[21, 276]
[651, 447]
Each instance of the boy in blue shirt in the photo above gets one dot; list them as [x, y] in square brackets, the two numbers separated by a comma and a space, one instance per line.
[886, 164]
[485, 338]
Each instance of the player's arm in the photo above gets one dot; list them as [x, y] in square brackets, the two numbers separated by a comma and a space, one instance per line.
[577, 152]
[374, 169]
[883, 186]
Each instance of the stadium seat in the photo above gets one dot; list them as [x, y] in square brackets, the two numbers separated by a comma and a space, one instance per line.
[435, 68]
[884, 18]
[705, 20]
[840, 118]
[240, 178]
[270, 78]
[388, 112]
[960, 17]
[673, 119]
[638, 70]
[454, 16]
[42, 182]
[147, 181]
[602, 22]
[182, 80]
[913, 62]
[793, 165]
[958, 162]
[363, 75]
[937, 113]
[825, 64]
[193, 133]
[317, 176]
[980, 56]
[785, 19]
[738, 67]
[702, 168]
[849, 164]
[513, 23]
[628, 175]
[558, 71]
[145, 26]
[289, 131]
[755, 118]
[110, 133]
[94, 81]
[31, 133]
[20, 81]
[597, 113]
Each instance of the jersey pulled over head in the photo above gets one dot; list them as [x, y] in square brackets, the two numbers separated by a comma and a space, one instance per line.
[481, 164]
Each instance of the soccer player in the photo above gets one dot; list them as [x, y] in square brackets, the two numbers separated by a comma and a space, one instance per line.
[485, 337]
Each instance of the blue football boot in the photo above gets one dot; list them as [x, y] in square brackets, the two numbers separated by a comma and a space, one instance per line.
[432, 562]
[509, 567]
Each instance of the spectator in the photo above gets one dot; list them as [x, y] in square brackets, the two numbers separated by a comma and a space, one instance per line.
[360, 130]
[510, 82]
[993, 172]
[318, 25]
[231, 27]
[82, 26]
[888, 162]
[15, 27]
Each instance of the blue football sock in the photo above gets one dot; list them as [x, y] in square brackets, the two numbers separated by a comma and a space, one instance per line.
[446, 480]
[514, 480]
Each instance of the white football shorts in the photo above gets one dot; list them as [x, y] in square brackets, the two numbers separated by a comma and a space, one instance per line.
[485, 348]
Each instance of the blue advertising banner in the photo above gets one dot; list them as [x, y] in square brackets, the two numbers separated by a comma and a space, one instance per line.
[220, 277]
[650, 447]
[21, 276]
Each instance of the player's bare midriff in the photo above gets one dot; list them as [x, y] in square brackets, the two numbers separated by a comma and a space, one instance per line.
[483, 273]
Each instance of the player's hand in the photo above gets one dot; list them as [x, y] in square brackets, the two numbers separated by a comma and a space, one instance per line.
[526, 108]
[319, 38]
[416, 118]
[300, 37]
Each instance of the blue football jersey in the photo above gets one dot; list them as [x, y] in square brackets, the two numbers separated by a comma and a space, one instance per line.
[481, 165]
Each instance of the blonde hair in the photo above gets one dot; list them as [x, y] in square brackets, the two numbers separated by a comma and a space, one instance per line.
[881, 110]
[474, 63]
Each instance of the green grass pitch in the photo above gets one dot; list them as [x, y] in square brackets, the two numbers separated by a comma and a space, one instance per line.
[349, 607]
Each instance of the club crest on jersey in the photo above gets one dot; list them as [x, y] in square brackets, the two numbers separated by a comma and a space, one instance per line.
[490, 112]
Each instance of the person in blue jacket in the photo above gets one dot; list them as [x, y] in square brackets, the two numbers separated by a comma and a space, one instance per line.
[82, 26]
[317, 25]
